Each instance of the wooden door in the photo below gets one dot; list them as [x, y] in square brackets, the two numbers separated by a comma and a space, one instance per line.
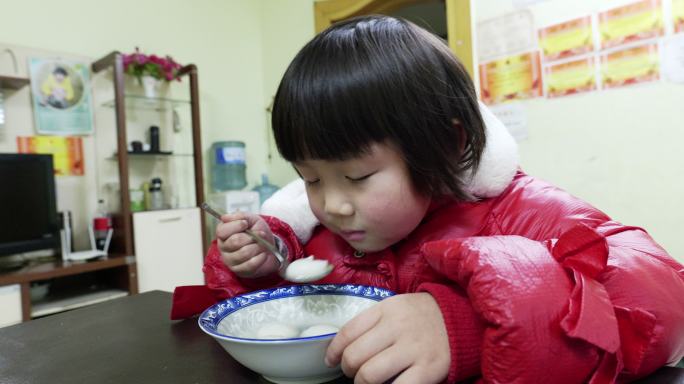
[458, 19]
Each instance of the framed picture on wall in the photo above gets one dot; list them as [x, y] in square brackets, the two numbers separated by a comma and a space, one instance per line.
[60, 89]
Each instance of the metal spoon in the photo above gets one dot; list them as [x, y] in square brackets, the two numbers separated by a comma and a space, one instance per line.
[282, 269]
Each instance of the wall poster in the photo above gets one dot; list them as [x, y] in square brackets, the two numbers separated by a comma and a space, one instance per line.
[633, 22]
[511, 78]
[67, 152]
[678, 15]
[630, 66]
[61, 96]
[571, 77]
[571, 38]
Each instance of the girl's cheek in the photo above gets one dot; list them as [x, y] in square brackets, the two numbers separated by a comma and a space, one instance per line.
[317, 209]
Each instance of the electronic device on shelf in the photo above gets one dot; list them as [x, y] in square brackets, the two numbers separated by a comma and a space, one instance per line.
[91, 253]
[28, 217]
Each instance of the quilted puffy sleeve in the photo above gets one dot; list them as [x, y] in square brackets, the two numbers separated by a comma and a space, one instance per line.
[222, 283]
[595, 305]
[225, 283]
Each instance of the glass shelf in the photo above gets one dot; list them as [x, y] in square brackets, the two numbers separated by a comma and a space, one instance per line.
[147, 103]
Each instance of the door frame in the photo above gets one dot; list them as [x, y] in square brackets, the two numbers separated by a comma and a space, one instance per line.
[458, 15]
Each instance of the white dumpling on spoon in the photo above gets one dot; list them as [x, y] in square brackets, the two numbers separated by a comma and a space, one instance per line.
[307, 269]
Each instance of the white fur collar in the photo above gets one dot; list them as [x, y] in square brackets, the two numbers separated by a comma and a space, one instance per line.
[498, 165]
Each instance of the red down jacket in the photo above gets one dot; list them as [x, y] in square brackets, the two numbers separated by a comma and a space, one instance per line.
[535, 286]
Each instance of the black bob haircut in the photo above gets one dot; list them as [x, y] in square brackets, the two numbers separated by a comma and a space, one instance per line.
[61, 71]
[379, 79]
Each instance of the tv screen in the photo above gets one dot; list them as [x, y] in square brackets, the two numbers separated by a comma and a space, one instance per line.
[28, 206]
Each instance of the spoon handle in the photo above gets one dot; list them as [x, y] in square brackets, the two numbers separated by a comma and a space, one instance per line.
[251, 234]
[211, 211]
[266, 245]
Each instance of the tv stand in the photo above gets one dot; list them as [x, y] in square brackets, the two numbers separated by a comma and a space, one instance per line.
[117, 273]
[7, 266]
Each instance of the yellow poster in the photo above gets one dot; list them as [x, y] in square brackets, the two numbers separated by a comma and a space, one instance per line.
[67, 152]
[572, 77]
[678, 15]
[630, 66]
[511, 78]
[632, 22]
[566, 39]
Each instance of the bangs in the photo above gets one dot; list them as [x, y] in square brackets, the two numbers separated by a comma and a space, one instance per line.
[337, 103]
[378, 79]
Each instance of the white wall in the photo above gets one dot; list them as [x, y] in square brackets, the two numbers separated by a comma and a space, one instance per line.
[618, 149]
[287, 26]
[223, 38]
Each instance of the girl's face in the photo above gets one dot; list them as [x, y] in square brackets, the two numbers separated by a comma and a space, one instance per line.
[369, 200]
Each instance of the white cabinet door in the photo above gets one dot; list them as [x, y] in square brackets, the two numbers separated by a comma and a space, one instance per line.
[168, 248]
[10, 305]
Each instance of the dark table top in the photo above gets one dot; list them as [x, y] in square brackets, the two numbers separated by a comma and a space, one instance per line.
[132, 340]
[126, 340]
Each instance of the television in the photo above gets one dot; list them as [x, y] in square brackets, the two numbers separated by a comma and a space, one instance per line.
[28, 205]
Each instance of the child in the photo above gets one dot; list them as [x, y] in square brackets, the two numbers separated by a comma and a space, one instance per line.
[57, 89]
[498, 274]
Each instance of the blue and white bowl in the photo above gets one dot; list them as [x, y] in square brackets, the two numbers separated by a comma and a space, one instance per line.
[234, 323]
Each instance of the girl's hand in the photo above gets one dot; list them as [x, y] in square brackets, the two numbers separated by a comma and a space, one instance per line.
[403, 336]
[239, 252]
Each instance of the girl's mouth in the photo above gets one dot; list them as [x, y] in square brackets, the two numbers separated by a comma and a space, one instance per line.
[353, 235]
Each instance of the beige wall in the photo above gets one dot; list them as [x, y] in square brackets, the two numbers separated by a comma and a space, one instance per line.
[287, 26]
[242, 48]
[223, 38]
[617, 149]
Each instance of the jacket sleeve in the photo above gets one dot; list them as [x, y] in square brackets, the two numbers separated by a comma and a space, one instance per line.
[222, 283]
[225, 283]
[595, 305]
[464, 327]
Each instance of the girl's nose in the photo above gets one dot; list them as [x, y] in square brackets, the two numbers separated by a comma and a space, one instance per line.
[336, 204]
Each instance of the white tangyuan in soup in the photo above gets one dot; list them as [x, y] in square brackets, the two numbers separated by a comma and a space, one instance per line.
[277, 331]
[318, 329]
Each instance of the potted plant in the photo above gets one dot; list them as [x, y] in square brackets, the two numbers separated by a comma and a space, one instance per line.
[150, 70]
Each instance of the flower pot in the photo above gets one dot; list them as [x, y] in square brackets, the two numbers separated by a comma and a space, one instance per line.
[146, 86]
[151, 86]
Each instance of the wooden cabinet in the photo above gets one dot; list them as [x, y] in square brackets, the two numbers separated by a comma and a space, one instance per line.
[13, 82]
[10, 302]
[168, 248]
[73, 284]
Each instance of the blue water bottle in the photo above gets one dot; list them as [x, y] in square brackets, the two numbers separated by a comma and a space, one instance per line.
[228, 166]
[265, 189]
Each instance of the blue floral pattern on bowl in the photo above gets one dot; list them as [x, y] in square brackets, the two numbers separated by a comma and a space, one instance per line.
[300, 305]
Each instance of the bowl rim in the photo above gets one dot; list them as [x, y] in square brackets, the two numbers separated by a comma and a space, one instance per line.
[211, 317]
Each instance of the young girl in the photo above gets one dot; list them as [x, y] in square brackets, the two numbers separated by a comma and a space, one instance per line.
[498, 274]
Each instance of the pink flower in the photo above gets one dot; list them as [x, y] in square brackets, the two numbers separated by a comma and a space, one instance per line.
[139, 64]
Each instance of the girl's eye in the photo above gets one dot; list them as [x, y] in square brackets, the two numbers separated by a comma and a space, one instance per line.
[355, 179]
[312, 182]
